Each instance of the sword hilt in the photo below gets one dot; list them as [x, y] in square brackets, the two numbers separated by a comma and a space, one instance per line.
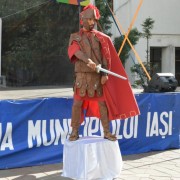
[98, 68]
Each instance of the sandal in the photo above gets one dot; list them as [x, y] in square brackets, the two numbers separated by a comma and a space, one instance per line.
[109, 136]
[74, 135]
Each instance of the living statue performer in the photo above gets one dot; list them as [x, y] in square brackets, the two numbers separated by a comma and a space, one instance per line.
[99, 94]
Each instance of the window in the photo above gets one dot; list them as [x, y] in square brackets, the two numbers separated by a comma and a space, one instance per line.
[155, 58]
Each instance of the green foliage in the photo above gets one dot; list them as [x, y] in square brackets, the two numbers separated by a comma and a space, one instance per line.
[35, 40]
[104, 21]
[147, 25]
[133, 37]
[34, 48]
[142, 78]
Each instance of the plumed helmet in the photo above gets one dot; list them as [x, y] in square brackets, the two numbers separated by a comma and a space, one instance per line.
[90, 11]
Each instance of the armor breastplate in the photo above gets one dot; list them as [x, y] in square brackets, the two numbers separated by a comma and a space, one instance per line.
[87, 81]
[90, 46]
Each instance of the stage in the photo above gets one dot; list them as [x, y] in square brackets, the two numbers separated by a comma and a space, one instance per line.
[35, 122]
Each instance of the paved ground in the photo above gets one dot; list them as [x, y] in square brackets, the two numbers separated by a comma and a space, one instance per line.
[161, 165]
[35, 92]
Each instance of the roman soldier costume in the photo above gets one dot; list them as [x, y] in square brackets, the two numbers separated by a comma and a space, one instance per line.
[109, 101]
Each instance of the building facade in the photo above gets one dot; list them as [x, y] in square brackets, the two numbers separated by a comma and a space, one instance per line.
[164, 45]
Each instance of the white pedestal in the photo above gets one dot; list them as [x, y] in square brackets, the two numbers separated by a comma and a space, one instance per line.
[92, 158]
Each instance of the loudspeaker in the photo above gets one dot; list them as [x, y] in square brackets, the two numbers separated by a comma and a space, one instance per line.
[162, 82]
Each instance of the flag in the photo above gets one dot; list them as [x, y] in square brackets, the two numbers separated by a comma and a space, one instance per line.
[75, 2]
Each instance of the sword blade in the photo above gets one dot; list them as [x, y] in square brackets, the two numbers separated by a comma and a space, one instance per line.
[99, 68]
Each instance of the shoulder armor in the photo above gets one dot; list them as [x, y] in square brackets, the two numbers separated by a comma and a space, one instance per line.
[74, 37]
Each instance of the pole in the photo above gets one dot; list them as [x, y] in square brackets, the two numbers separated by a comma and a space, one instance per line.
[121, 29]
[0, 42]
[130, 27]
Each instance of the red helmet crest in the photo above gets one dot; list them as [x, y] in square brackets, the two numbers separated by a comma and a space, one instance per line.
[90, 11]
[96, 10]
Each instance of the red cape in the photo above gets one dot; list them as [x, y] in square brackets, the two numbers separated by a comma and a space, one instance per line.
[118, 94]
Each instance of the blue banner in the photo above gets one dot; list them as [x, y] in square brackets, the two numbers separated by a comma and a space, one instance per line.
[32, 132]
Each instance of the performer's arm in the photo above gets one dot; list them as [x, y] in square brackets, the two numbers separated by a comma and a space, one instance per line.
[81, 56]
[75, 53]
[104, 77]
[104, 65]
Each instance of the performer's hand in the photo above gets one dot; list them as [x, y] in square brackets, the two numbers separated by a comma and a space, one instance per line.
[91, 64]
[104, 79]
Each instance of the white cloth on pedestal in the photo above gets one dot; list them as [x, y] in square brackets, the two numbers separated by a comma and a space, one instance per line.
[91, 158]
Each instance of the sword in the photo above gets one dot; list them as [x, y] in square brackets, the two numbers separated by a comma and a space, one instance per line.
[99, 68]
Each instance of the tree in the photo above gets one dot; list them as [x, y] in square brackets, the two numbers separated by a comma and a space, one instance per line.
[104, 22]
[35, 41]
[133, 36]
[143, 79]
[147, 25]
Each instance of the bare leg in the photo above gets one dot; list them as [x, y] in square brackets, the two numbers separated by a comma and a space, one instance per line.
[75, 123]
[105, 122]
